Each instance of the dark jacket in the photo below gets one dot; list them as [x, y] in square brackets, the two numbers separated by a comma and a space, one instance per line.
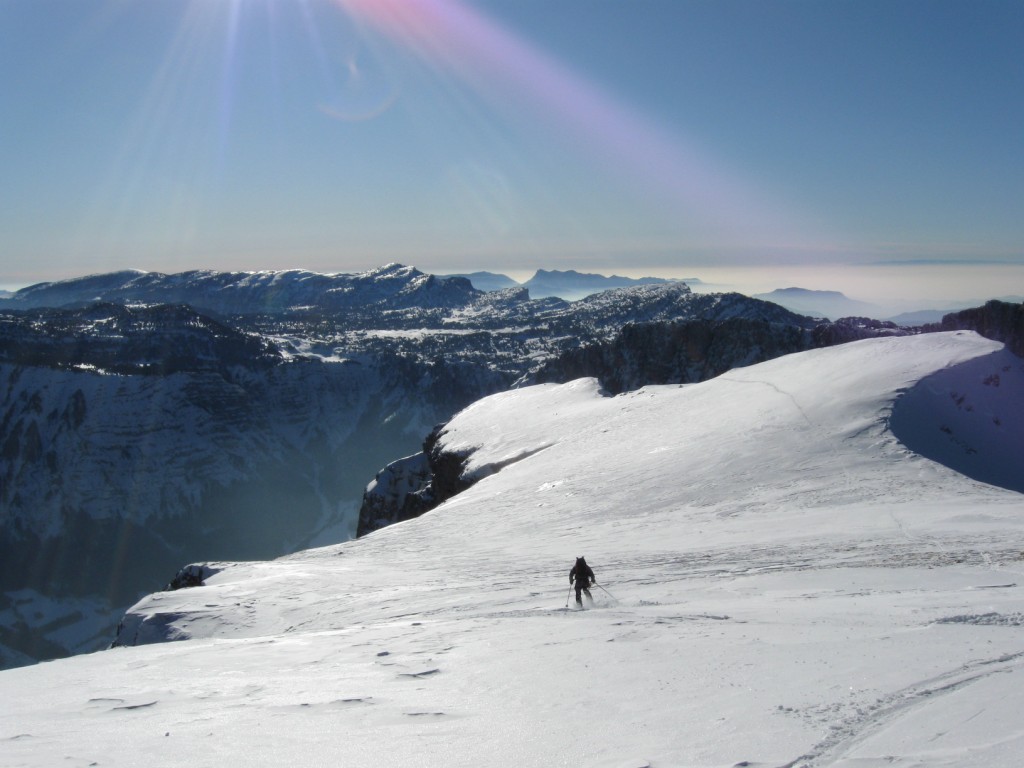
[582, 573]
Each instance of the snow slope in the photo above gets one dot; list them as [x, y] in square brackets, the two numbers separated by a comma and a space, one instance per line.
[792, 587]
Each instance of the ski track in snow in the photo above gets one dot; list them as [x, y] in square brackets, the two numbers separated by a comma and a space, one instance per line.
[853, 729]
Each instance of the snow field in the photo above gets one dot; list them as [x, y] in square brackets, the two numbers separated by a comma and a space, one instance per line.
[792, 587]
[710, 670]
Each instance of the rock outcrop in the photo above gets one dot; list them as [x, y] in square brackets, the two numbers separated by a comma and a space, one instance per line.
[407, 488]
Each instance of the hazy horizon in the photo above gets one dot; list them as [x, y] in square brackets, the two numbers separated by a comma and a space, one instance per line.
[895, 288]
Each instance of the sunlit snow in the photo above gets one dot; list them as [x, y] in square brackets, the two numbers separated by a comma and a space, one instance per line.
[782, 582]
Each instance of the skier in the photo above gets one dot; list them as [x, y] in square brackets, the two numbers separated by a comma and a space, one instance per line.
[583, 575]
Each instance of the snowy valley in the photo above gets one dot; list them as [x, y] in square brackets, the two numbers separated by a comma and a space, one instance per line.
[781, 582]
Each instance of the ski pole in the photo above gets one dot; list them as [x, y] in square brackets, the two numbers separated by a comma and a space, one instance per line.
[568, 596]
[613, 597]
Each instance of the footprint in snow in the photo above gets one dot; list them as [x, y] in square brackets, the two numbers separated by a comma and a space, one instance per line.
[351, 702]
[134, 706]
[105, 702]
[424, 673]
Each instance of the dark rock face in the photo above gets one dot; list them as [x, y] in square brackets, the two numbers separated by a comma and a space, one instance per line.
[673, 353]
[407, 488]
[996, 320]
[697, 350]
[400, 491]
[194, 575]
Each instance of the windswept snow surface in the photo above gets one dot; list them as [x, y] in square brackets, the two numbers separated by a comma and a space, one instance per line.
[792, 587]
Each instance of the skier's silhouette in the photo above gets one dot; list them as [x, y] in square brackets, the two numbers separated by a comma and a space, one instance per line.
[583, 576]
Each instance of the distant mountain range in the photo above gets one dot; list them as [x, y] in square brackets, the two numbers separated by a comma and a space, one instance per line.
[831, 304]
[834, 305]
[568, 284]
[393, 287]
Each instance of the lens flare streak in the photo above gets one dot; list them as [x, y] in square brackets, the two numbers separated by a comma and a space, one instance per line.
[506, 69]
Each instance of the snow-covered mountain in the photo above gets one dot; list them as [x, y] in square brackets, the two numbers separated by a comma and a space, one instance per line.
[139, 434]
[782, 582]
[391, 287]
[564, 284]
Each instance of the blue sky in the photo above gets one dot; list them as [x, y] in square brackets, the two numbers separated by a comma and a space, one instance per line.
[664, 137]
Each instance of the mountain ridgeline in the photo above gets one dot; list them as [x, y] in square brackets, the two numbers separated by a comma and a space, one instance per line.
[148, 421]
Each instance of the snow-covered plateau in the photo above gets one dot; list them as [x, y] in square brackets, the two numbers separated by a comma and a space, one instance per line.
[781, 582]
